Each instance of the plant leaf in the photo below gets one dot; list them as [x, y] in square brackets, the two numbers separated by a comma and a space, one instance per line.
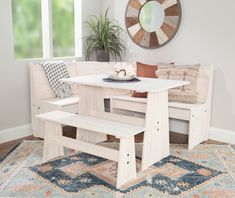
[105, 34]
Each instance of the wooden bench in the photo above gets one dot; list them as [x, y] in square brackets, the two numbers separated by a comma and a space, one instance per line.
[198, 115]
[43, 98]
[54, 141]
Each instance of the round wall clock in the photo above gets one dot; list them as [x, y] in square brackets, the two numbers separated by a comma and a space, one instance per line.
[152, 23]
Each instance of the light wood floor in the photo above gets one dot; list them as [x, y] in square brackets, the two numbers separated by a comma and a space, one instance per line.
[71, 132]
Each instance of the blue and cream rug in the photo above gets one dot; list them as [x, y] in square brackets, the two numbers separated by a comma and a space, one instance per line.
[206, 171]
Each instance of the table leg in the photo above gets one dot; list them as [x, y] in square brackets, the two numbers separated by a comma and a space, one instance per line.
[90, 99]
[156, 136]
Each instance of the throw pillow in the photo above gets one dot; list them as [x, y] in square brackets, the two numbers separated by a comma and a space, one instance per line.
[186, 93]
[55, 71]
[144, 70]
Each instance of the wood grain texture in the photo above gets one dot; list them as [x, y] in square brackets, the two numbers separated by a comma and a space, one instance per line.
[171, 20]
[102, 122]
[160, 1]
[8, 146]
[126, 170]
[91, 98]
[139, 35]
[144, 85]
[157, 129]
[132, 12]
[168, 30]
[85, 147]
[135, 4]
[142, 2]
[134, 29]
[173, 10]
[130, 21]
[153, 40]
[162, 37]
[175, 138]
[51, 149]
[168, 3]
[145, 39]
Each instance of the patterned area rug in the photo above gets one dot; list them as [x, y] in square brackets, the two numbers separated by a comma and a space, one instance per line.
[206, 171]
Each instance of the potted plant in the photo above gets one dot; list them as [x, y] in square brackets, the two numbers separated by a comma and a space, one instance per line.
[104, 39]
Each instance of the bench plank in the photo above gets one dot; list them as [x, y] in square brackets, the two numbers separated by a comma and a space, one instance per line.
[118, 129]
[128, 98]
[63, 101]
[92, 149]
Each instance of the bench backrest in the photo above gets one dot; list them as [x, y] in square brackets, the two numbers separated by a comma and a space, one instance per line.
[205, 83]
[40, 87]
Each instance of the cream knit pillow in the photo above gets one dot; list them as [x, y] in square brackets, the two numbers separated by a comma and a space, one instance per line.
[187, 93]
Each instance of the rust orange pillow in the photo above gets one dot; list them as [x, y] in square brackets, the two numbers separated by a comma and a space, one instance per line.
[144, 70]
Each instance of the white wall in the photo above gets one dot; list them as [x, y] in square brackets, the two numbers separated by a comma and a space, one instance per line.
[14, 75]
[206, 35]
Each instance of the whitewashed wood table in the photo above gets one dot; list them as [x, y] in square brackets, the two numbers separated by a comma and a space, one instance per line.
[156, 123]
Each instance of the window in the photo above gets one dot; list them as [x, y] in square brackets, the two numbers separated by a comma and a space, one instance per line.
[63, 28]
[27, 27]
[46, 28]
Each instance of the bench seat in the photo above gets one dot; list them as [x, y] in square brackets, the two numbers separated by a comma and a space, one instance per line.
[144, 100]
[55, 141]
[177, 110]
[69, 104]
[63, 101]
[118, 129]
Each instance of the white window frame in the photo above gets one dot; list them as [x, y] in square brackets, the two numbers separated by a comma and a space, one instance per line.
[78, 27]
[47, 29]
[47, 39]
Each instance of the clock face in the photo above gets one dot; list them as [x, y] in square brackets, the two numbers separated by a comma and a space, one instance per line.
[152, 23]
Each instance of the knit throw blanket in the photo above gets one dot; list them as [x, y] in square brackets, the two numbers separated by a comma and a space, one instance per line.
[55, 71]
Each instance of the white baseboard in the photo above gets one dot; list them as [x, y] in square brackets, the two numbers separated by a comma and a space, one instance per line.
[222, 135]
[217, 134]
[10, 134]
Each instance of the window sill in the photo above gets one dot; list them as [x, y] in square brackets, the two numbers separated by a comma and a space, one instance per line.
[70, 58]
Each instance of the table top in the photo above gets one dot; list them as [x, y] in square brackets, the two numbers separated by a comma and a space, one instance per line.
[145, 85]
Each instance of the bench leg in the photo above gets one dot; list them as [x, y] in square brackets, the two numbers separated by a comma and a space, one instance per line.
[126, 164]
[156, 136]
[52, 150]
[198, 127]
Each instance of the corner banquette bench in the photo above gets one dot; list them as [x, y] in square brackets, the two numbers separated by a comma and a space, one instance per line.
[197, 115]
[43, 98]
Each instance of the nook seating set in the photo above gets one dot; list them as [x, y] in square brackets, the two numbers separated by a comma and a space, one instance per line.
[128, 116]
